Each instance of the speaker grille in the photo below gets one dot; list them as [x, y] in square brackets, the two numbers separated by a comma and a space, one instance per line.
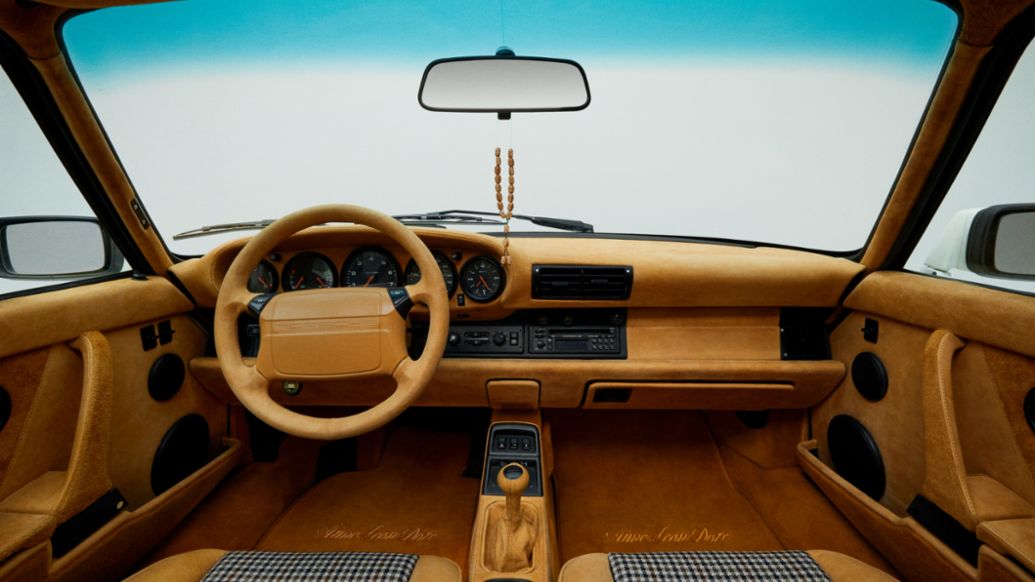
[166, 377]
[870, 376]
[855, 455]
[183, 450]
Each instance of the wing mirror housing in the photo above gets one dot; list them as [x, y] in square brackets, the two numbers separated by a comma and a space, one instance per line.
[997, 241]
[56, 247]
[503, 84]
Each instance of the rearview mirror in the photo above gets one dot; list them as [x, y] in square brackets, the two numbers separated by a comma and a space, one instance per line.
[503, 84]
[56, 247]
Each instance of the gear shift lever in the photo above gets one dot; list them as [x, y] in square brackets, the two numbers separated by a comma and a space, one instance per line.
[513, 480]
[512, 536]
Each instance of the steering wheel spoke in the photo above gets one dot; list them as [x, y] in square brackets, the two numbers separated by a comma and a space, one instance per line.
[420, 292]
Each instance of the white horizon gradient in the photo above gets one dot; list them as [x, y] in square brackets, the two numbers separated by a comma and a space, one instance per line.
[801, 155]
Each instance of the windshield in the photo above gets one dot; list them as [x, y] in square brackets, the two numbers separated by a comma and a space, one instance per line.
[779, 122]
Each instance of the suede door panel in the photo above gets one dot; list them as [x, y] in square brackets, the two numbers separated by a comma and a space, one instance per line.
[951, 426]
[82, 419]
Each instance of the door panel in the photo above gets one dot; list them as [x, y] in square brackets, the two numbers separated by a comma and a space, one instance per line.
[84, 427]
[958, 453]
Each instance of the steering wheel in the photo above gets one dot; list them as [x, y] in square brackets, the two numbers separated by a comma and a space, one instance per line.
[330, 334]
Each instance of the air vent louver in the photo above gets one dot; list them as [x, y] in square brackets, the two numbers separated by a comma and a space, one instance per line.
[581, 282]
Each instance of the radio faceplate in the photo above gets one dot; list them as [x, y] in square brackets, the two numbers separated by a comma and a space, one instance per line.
[569, 333]
[552, 340]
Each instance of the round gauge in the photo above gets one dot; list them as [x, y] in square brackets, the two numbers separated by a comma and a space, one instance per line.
[263, 278]
[444, 265]
[482, 278]
[370, 267]
[309, 271]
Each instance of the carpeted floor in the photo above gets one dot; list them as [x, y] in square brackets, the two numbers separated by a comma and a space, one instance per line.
[630, 482]
[624, 481]
[415, 501]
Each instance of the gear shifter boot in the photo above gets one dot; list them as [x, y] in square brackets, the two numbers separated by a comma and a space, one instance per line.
[511, 528]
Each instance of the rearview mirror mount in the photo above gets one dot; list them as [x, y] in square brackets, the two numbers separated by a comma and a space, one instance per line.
[503, 84]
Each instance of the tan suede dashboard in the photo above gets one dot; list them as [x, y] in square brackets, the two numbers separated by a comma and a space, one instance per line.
[666, 274]
[703, 326]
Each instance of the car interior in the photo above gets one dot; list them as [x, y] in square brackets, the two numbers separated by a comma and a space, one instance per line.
[345, 394]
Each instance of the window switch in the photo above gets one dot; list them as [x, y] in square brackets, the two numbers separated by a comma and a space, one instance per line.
[526, 444]
[501, 443]
[513, 443]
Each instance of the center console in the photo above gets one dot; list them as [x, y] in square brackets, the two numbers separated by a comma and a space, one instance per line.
[513, 537]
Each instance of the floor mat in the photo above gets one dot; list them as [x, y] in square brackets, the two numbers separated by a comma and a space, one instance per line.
[629, 481]
[416, 502]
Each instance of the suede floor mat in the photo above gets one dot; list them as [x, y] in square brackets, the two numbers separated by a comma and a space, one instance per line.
[415, 501]
[628, 481]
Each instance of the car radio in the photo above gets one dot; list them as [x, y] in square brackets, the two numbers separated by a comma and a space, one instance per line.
[547, 333]
[593, 340]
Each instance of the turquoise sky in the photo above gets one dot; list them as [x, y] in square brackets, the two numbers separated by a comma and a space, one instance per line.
[913, 33]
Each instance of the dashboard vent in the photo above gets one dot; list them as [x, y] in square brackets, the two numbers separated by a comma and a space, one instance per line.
[581, 282]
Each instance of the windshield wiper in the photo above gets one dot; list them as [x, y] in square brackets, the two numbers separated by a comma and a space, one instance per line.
[478, 217]
[429, 218]
[220, 228]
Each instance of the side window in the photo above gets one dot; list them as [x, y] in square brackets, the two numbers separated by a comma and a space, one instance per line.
[48, 234]
[984, 230]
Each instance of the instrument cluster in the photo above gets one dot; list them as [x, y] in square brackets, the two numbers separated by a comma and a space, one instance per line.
[480, 278]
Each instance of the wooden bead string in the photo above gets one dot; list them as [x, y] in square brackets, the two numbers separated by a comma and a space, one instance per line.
[505, 215]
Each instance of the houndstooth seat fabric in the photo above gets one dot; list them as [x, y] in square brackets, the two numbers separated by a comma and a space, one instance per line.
[715, 566]
[312, 567]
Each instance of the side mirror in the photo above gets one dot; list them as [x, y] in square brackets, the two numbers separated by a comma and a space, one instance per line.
[56, 247]
[1002, 242]
[503, 84]
[998, 241]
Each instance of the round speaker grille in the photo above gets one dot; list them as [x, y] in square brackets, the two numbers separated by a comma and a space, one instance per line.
[166, 377]
[855, 455]
[870, 376]
[183, 450]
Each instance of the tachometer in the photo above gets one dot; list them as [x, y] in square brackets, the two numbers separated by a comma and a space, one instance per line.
[263, 278]
[444, 265]
[370, 267]
[309, 271]
[482, 278]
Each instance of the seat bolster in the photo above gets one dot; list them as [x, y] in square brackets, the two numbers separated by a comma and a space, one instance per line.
[841, 567]
[436, 569]
[588, 567]
[188, 567]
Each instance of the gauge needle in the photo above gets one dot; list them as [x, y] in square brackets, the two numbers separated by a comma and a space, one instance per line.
[266, 281]
[370, 280]
[320, 281]
[298, 283]
[482, 279]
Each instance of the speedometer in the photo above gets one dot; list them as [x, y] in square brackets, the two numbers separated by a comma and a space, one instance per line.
[309, 271]
[370, 267]
[444, 265]
[482, 278]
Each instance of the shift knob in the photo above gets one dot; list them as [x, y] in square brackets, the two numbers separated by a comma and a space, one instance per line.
[513, 480]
